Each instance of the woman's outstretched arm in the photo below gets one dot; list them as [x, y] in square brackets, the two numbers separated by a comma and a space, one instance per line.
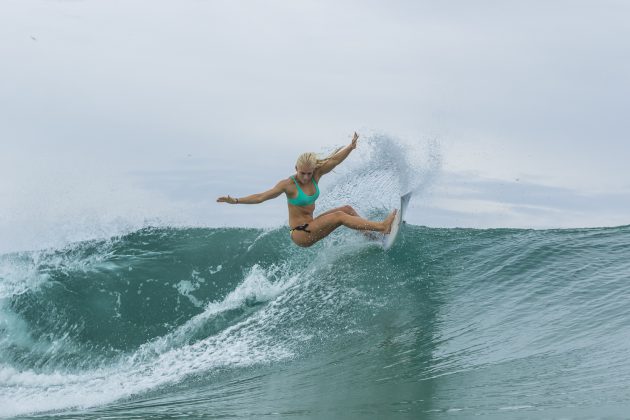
[255, 198]
[338, 157]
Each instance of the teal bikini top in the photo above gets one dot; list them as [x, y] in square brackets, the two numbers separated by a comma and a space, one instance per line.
[302, 199]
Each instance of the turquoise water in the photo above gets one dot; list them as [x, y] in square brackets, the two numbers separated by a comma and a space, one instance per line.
[450, 323]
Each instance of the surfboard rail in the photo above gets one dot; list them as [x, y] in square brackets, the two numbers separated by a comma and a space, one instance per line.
[390, 238]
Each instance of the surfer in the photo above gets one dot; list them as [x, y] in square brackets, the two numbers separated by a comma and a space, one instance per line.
[301, 190]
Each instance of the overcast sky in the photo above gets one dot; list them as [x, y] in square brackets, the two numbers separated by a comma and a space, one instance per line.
[119, 113]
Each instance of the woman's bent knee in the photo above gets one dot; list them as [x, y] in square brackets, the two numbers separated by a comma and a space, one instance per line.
[350, 210]
[340, 216]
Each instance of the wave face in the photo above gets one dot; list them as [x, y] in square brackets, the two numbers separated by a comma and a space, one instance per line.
[200, 322]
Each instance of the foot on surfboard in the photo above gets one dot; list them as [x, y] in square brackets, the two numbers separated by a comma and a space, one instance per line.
[394, 227]
[388, 221]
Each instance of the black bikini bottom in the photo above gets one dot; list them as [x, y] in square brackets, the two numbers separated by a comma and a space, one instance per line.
[301, 227]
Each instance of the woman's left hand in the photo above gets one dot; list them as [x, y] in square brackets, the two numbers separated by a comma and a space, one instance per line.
[227, 199]
[355, 137]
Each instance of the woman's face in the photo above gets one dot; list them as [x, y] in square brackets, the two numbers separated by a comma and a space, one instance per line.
[304, 173]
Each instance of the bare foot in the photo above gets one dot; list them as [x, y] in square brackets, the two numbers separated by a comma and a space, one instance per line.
[388, 222]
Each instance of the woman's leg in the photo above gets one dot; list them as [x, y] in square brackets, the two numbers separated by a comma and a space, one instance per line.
[324, 224]
[352, 212]
[346, 209]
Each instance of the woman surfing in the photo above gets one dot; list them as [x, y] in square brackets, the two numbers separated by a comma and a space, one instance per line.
[302, 191]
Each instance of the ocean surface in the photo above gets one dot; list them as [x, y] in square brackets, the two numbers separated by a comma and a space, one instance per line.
[240, 323]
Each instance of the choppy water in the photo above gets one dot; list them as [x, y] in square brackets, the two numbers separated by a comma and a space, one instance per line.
[241, 323]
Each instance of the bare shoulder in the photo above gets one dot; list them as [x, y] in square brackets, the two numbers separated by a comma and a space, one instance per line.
[286, 181]
[285, 184]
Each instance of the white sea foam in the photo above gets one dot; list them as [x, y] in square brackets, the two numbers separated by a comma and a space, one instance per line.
[24, 271]
[256, 287]
[384, 168]
[166, 360]
[20, 273]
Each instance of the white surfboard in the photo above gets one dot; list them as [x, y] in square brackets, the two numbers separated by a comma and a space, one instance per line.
[390, 238]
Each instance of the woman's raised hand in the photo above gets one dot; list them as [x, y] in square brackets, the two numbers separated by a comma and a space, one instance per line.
[355, 137]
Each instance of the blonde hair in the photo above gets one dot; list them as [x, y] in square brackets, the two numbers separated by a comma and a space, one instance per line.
[310, 159]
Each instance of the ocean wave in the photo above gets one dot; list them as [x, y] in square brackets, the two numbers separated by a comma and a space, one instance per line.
[160, 310]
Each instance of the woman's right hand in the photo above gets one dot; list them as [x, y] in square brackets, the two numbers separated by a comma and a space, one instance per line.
[355, 137]
[227, 199]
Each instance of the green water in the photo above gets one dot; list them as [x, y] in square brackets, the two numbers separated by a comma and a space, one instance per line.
[215, 323]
